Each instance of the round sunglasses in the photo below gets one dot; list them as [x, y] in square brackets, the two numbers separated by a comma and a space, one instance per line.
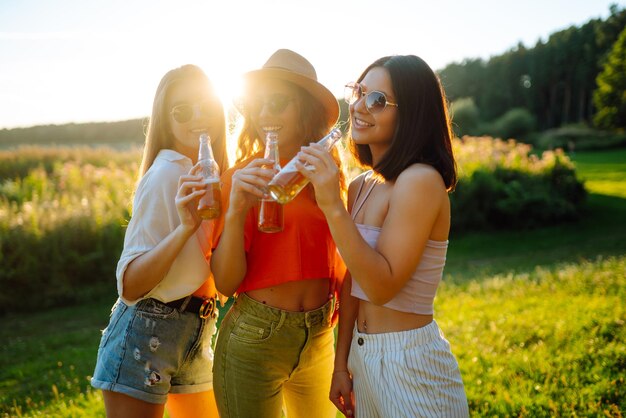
[275, 104]
[184, 112]
[375, 101]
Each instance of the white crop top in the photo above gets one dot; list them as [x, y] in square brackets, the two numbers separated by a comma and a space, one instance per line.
[418, 294]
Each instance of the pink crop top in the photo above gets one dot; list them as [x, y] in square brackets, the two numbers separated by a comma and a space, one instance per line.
[418, 294]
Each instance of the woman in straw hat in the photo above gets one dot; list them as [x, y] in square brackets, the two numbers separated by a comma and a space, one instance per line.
[391, 355]
[156, 351]
[276, 343]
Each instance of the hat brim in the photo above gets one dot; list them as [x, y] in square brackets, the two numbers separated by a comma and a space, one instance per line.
[316, 89]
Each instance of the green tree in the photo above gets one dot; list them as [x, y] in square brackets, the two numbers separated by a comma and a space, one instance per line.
[465, 117]
[610, 96]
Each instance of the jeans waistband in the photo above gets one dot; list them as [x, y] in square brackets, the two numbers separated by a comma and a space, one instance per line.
[308, 319]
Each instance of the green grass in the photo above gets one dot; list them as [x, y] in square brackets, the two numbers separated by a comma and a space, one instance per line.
[549, 342]
[536, 319]
[46, 359]
[604, 172]
[600, 232]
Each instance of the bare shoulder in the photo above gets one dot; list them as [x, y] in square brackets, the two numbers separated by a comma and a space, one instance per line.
[421, 177]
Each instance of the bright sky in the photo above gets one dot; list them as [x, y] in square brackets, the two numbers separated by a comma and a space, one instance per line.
[86, 60]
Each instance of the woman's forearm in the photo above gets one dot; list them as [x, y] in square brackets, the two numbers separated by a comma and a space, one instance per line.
[366, 265]
[348, 311]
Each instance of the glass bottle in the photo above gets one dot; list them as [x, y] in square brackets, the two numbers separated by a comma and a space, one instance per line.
[270, 211]
[209, 205]
[288, 182]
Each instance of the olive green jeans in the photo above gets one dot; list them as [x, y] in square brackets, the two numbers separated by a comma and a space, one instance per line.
[266, 358]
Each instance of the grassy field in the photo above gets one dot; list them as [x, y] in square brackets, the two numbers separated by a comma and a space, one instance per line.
[536, 319]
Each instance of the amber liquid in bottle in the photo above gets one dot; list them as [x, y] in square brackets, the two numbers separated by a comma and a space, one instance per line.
[270, 211]
[286, 185]
[209, 205]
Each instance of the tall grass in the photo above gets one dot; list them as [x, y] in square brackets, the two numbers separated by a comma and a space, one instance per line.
[61, 218]
[63, 210]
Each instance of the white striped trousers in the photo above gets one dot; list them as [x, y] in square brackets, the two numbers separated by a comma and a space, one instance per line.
[406, 374]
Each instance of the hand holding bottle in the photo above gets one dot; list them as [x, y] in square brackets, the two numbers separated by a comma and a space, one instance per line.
[270, 211]
[248, 185]
[191, 187]
[209, 205]
[317, 165]
[289, 181]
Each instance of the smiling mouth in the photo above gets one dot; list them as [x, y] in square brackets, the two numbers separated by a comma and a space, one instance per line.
[361, 123]
[267, 129]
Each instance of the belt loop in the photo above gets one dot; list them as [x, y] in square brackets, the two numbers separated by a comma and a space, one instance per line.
[329, 312]
[281, 321]
[185, 303]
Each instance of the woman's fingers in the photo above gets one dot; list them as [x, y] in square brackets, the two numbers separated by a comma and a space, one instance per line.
[191, 197]
[250, 185]
[188, 177]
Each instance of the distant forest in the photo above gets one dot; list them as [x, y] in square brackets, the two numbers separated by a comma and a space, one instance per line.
[552, 83]
[555, 80]
[120, 133]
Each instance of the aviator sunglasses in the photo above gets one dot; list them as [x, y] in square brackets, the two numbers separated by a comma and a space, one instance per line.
[275, 104]
[184, 112]
[375, 101]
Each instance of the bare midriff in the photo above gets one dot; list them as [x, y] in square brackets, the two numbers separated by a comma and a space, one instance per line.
[297, 296]
[375, 319]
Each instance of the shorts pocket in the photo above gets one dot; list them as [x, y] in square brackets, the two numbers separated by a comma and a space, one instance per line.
[152, 308]
[117, 312]
[251, 329]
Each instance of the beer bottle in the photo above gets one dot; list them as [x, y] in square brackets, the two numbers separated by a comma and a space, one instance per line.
[209, 205]
[286, 185]
[270, 211]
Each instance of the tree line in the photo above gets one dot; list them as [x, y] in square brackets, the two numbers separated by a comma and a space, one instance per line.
[555, 80]
[119, 133]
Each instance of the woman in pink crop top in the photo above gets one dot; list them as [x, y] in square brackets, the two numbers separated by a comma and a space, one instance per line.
[392, 359]
[276, 344]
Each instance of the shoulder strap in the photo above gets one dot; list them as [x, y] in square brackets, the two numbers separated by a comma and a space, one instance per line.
[356, 207]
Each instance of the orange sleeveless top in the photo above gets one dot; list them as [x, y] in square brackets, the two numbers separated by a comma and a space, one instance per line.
[303, 250]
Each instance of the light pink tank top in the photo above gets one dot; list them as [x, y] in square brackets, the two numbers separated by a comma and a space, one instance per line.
[418, 293]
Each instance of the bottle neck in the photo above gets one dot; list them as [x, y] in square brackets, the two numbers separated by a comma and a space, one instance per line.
[204, 151]
[331, 139]
[271, 152]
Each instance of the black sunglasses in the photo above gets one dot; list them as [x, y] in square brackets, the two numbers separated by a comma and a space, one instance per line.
[275, 104]
[184, 112]
[375, 101]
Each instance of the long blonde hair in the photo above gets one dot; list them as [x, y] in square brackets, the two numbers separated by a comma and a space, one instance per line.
[159, 133]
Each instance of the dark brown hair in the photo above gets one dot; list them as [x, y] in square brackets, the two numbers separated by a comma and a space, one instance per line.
[423, 133]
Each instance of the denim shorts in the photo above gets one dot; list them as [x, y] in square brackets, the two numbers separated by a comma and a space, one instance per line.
[150, 349]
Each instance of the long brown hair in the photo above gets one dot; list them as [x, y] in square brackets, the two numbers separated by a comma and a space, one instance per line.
[159, 133]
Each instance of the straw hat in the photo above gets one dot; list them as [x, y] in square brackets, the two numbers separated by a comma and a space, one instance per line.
[287, 65]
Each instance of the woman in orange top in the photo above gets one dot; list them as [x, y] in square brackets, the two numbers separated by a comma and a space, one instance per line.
[276, 343]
